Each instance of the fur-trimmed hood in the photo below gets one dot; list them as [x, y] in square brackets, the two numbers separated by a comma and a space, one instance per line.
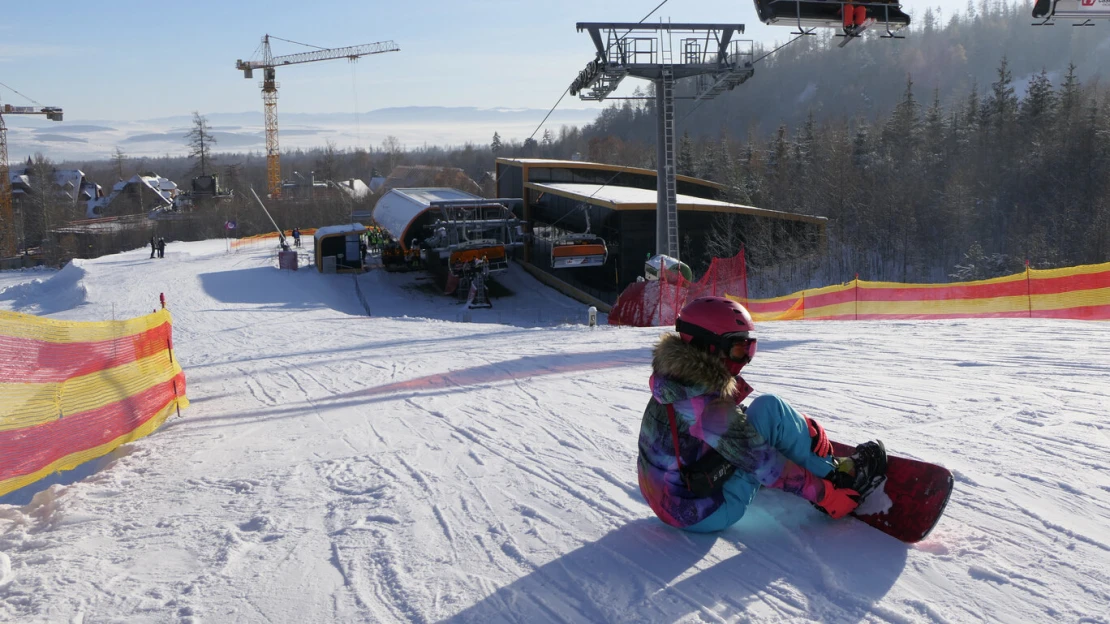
[697, 370]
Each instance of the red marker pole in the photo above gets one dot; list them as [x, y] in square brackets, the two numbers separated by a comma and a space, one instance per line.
[162, 298]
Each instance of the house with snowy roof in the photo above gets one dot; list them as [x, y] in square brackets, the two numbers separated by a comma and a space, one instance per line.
[142, 193]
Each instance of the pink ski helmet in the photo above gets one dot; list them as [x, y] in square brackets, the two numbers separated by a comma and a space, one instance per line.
[718, 325]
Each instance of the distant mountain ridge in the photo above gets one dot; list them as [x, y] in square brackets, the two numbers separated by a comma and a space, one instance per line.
[444, 126]
[400, 114]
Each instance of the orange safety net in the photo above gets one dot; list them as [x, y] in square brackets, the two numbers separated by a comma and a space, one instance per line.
[73, 391]
[657, 303]
[268, 238]
[1081, 292]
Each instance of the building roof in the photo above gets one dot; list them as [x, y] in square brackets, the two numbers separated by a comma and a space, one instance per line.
[334, 230]
[400, 207]
[630, 198]
[582, 164]
[420, 176]
[353, 188]
[425, 196]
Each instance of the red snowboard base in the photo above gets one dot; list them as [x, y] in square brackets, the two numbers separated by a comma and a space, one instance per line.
[910, 502]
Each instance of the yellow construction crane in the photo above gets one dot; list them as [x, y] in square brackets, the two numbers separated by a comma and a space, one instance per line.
[269, 90]
[7, 217]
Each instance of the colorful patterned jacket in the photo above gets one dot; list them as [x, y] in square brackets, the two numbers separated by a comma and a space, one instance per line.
[706, 399]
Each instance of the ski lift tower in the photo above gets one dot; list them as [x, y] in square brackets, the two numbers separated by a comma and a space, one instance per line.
[706, 52]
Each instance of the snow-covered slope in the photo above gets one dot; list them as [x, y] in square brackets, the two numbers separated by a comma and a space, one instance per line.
[407, 467]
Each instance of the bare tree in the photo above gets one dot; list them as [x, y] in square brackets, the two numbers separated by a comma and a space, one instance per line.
[723, 239]
[46, 207]
[118, 158]
[393, 151]
[327, 165]
[200, 141]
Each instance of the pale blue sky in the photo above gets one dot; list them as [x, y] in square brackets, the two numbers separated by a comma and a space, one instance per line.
[129, 59]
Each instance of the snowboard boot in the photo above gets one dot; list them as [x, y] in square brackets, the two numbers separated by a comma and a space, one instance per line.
[864, 471]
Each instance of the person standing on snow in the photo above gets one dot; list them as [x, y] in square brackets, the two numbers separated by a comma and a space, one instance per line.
[152, 247]
[703, 456]
[161, 247]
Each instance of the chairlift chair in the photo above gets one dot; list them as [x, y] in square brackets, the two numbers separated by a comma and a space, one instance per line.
[579, 250]
[809, 14]
[1076, 10]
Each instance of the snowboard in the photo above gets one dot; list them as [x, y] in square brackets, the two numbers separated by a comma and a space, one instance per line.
[909, 502]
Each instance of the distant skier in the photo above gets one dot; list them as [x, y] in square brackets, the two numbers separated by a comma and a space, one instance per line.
[703, 458]
[153, 247]
[161, 247]
[296, 237]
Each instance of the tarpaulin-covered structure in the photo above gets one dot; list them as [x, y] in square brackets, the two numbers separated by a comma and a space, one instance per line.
[73, 391]
[654, 303]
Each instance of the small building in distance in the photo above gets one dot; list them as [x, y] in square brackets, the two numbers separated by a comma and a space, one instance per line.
[338, 248]
[312, 188]
[424, 176]
[68, 184]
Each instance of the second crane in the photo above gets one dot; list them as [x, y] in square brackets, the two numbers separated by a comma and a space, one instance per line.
[270, 85]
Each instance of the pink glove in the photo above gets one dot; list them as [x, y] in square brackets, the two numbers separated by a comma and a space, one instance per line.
[837, 502]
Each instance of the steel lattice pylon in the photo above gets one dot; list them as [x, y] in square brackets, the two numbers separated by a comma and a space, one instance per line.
[706, 52]
[7, 216]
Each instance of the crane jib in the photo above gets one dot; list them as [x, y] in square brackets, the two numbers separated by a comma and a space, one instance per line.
[350, 52]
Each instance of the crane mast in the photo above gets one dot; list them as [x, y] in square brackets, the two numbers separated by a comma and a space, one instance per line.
[270, 91]
[7, 215]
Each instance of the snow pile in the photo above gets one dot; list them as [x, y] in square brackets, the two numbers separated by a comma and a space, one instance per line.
[60, 291]
[414, 467]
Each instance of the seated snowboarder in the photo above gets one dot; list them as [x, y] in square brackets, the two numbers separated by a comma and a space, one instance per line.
[703, 457]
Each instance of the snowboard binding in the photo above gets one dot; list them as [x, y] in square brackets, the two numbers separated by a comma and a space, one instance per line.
[863, 471]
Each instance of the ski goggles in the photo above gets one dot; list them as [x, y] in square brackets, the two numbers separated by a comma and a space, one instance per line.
[736, 346]
[739, 346]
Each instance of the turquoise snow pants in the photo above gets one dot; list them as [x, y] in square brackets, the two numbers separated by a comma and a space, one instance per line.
[787, 431]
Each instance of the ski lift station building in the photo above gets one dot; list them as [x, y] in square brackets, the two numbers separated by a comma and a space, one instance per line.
[337, 248]
[449, 226]
[562, 198]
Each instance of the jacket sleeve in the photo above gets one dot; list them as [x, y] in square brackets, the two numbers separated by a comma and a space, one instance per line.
[724, 427]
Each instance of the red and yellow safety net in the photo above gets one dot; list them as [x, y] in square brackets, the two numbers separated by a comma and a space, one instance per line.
[73, 391]
[1081, 292]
